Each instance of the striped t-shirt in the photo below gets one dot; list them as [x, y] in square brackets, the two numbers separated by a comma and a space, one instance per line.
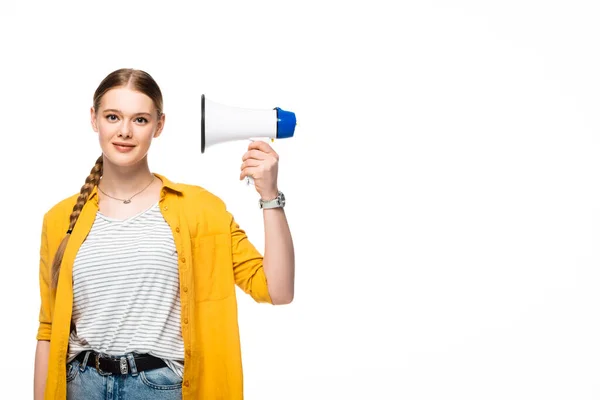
[126, 289]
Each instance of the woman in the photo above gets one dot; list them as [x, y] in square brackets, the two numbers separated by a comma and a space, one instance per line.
[137, 273]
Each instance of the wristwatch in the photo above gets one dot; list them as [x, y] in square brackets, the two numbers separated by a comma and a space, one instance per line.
[277, 202]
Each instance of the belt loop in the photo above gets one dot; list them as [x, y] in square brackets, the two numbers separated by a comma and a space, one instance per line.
[85, 360]
[132, 366]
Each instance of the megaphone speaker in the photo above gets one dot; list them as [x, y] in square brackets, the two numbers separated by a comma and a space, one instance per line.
[221, 123]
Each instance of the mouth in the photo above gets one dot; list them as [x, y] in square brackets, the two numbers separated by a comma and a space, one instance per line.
[123, 146]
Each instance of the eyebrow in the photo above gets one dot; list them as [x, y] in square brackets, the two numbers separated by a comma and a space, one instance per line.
[119, 111]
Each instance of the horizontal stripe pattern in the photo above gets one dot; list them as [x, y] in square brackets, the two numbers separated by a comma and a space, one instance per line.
[126, 289]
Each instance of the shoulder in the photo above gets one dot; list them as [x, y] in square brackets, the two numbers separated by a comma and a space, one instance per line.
[204, 210]
[62, 208]
[194, 194]
[199, 195]
[57, 217]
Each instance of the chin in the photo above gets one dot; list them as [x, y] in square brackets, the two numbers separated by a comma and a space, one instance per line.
[123, 160]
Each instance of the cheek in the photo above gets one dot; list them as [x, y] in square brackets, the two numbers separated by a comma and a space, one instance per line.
[145, 134]
[105, 130]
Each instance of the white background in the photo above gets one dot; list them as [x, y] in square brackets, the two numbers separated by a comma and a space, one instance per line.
[442, 183]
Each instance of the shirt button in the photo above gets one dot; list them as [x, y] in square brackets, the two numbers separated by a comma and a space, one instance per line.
[185, 320]
[186, 383]
[185, 289]
[188, 352]
[183, 259]
[177, 229]
[165, 208]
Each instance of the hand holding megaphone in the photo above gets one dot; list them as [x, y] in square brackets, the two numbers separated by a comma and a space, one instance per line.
[261, 163]
[249, 178]
[221, 123]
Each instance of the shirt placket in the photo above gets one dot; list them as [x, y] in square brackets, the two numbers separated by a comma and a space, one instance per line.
[170, 211]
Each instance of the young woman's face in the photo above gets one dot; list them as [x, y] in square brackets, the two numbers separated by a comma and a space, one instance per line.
[126, 123]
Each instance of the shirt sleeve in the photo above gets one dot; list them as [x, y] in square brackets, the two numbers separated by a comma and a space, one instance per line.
[248, 268]
[45, 316]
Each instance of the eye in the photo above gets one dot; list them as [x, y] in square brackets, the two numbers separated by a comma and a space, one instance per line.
[141, 120]
[111, 117]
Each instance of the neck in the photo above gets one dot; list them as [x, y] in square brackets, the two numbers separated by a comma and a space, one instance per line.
[121, 181]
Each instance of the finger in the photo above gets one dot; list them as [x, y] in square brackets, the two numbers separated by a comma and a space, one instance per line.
[251, 162]
[255, 154]
[262, 146]
[250, 171]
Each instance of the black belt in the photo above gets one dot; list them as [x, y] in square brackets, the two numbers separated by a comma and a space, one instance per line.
[107, 365]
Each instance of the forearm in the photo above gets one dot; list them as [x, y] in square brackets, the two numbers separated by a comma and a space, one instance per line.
[42, 352]
[278, 260]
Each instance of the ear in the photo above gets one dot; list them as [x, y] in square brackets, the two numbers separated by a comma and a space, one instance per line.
[161, 125]
[93, 119]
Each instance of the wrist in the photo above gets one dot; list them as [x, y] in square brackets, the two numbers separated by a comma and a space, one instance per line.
[270, 195]
[268, 201]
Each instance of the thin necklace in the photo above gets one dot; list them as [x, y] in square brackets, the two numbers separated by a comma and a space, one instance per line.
[127, 201]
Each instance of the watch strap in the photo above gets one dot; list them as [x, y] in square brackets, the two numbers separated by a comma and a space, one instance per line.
[277, 202]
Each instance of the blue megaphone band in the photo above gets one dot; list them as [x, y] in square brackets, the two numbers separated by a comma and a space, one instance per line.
[286, 123]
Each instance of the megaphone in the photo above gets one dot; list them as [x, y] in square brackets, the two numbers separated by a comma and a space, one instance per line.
[221, 123]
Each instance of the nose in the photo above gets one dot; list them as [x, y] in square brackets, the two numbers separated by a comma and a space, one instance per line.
[125, 130]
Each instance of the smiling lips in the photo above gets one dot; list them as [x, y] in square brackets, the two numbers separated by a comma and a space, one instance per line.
[123, 147]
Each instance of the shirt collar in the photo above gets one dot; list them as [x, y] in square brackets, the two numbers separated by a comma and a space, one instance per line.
[176, 187]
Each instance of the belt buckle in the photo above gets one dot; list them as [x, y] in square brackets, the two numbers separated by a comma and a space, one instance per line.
[123, 366]
[98, 369]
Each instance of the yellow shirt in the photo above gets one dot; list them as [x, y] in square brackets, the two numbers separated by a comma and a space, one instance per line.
[214, 254]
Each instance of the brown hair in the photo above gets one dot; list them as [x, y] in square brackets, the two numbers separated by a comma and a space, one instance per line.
[126, 77]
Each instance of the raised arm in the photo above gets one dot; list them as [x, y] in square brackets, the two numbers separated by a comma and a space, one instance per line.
[261, 162]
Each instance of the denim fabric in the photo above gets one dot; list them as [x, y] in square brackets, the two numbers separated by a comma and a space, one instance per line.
[84, 382]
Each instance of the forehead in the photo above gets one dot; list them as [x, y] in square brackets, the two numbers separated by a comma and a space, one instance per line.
[126, 100]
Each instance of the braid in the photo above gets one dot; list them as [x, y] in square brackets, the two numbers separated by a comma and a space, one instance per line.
[90, 182]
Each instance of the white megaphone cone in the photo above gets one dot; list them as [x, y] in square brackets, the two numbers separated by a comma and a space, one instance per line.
[221, 123]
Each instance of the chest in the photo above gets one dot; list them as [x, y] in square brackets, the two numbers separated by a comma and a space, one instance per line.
[139, 247]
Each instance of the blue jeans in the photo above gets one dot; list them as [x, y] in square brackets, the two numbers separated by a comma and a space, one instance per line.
[84, 382]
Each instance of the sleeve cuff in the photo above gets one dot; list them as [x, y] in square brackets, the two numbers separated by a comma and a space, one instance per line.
[44, 331]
